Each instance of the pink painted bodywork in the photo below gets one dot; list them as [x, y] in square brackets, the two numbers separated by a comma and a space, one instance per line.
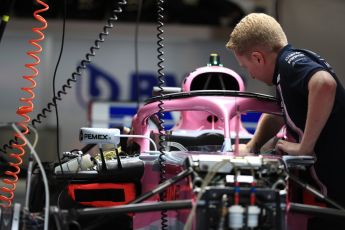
[194, 111]
[197, 120]
[225, 108]
[214, 70]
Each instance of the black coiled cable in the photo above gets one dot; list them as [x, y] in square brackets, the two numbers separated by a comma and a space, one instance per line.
[82, 66]
[6, 147]
[160, 56]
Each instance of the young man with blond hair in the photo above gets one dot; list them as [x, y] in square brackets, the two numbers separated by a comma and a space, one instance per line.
[311, 96]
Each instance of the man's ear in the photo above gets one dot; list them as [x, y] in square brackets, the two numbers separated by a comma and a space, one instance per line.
[257, 57]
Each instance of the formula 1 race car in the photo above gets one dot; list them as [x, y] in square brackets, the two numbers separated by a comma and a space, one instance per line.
[188, 177]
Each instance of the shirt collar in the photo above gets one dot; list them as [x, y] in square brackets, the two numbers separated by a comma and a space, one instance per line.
[275, 75]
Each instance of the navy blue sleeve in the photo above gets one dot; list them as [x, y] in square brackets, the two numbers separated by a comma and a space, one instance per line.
[298, 68]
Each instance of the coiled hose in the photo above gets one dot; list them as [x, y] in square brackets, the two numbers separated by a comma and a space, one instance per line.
[160, 56]
[82, 65]
[18, 145]
[69, 83]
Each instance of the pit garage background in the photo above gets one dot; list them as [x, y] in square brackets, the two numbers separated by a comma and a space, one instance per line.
[311, 24]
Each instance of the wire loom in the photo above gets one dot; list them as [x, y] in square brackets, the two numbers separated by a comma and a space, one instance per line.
[23, 111]
[160, 56]
[17, 142]
[81, 66]
[69, 83]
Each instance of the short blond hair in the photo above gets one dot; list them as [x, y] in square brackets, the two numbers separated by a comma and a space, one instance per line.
[257, 30]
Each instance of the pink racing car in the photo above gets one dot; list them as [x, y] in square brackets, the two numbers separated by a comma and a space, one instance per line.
[191, 176]
[210, 105]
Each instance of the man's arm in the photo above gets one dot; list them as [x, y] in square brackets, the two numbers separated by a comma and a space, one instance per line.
[321, 95]
[268, 126]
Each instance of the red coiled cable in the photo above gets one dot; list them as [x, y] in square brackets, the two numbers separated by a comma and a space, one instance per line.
[23, 111]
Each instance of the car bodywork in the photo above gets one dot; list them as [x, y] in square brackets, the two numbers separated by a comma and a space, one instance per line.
[160, 183]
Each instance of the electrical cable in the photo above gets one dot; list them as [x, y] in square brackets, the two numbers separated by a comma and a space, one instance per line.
[8, 146]
[54, 84]
[68, 85]
[208, 178]
[160, 56]
[223, 212]
[177, 145]
[25, 109]
[140, 136]
[82, 65]
[44, 176]
[136, 56]
[29, 171]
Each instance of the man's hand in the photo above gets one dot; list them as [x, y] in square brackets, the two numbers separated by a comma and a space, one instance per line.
[291, 148]
[243, 150]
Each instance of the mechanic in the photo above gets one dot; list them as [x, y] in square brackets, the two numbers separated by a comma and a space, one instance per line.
[311, 96]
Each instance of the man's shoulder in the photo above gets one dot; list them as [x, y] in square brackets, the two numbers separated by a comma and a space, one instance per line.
[291, 57]
[298, 62]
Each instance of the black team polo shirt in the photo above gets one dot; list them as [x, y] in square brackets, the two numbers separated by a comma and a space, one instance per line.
[293, 70]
